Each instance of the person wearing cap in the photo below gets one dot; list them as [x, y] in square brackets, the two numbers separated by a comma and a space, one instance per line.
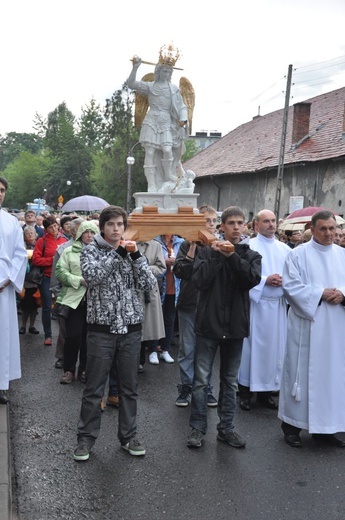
[43, 256]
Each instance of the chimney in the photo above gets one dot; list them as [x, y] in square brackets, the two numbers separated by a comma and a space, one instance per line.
[301, 120]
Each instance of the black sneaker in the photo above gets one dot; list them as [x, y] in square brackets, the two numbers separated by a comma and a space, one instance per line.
[184, 397]
[59, 363]
[195, 439]
[82, 452]
[231, 438]
[134, 447]
[211, 401]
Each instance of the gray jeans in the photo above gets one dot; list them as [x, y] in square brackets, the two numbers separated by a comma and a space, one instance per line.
[102, 347]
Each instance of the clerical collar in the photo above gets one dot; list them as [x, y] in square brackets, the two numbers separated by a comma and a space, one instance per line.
[320, 247]
[265, 239]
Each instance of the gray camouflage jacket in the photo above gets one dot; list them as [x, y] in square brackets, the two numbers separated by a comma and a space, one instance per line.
[114, 279]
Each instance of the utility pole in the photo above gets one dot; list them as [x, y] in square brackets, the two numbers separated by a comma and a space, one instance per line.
[282, 146]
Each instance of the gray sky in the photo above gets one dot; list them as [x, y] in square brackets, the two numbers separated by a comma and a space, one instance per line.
[236, 54]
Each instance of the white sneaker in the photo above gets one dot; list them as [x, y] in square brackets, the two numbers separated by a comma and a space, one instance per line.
[153, 358]
[166, 357]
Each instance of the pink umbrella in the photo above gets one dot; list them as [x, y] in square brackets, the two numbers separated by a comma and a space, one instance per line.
[298, 218]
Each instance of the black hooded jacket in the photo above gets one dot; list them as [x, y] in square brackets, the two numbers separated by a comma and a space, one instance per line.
[223, 284]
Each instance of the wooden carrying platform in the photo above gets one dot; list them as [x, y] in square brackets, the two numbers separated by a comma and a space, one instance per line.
[150, 223]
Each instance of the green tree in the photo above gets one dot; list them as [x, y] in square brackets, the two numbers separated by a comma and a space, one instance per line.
[71, 159]
[26, 176]
[110, 172]
[118, 116]
[191, 150]
[92, 126]
[13, 143]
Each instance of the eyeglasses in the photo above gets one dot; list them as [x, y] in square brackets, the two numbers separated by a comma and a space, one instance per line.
[2, 190]
[211, 220]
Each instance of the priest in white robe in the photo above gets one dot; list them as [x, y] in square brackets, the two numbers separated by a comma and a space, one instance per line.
[263, 351]
[313, 384]
[13, 261]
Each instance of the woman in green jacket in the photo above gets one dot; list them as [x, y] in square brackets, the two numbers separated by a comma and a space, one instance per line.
[73, 299]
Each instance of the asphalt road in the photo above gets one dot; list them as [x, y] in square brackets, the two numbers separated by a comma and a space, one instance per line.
[267, 480]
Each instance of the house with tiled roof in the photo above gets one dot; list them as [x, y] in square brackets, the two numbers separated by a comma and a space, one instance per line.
[241, 168]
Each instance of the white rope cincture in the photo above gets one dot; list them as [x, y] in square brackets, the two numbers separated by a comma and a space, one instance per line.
[296, 389]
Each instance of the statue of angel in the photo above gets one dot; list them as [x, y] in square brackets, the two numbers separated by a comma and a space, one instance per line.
[164, 113]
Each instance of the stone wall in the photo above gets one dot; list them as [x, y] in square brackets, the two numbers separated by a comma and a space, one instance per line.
[321, 184]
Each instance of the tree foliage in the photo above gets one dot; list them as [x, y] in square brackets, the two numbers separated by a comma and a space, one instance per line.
[92, 126]
[13, 143]
[191, 150]
[71, 158]
[26, 176]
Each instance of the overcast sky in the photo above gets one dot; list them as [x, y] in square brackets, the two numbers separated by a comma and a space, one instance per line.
[235, 53]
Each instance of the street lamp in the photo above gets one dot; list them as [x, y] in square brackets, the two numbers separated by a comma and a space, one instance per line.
[68, 183]
[130, 161]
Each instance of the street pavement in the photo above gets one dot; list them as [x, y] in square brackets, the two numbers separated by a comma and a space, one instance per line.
[267, 480]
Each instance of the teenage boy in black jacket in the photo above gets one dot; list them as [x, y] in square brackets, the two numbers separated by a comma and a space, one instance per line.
[223, 279]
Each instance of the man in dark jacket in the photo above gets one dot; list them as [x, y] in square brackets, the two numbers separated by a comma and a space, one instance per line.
[223, 274]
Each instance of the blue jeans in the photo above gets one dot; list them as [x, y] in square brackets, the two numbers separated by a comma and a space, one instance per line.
[230, 359]
[46, 296]
[186, 352]
[102, 347]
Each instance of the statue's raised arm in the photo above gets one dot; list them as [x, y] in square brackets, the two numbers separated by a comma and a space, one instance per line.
[161, 112]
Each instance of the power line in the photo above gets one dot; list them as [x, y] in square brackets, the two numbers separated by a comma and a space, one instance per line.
[266, 90]
[303, 84]
[315, 70]
[320, 62]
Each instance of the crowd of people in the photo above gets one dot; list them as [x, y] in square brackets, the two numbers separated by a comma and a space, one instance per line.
[269, 302]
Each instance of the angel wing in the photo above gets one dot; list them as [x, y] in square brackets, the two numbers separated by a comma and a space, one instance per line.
[188, 95]
[141, 103]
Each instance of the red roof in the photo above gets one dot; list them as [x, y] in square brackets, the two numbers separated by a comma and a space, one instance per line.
[255, 146]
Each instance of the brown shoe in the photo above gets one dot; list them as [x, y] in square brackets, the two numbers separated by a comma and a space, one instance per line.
[102, 404]
[113, 400]
[67, 378]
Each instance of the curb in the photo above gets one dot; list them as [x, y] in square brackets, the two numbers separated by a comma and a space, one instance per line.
[5, 465]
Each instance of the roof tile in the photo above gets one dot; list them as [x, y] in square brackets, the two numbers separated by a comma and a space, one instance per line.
[255, 145]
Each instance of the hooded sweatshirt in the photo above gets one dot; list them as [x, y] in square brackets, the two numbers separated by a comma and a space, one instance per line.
[68, 270]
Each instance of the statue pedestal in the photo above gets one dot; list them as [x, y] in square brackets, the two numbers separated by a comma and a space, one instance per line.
[167, 216]
[166, 202]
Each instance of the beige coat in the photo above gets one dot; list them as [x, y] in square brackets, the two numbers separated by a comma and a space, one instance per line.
[153, 324]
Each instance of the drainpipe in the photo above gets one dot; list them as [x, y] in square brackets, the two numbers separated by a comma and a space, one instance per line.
[218, 194]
